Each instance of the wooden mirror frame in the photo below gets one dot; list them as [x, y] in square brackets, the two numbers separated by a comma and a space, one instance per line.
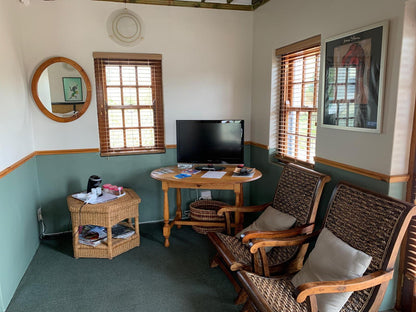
[35, 81]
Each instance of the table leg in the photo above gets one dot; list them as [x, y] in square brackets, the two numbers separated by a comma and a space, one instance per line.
[136, 227]
[178, 206]
[110, 242]
[166, 228]
[75, 240]
[239, 199]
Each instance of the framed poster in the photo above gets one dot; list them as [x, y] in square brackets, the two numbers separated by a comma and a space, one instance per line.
[352, 93]
[72, 89]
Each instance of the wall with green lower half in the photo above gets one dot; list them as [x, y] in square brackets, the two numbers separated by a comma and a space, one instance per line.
[46, 180]
[263, 190]
[61, 175]
[19, 235]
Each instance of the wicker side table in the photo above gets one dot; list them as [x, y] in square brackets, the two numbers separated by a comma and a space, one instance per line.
[106, 215]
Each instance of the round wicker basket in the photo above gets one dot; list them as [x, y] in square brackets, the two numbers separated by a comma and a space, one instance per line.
[206, 210]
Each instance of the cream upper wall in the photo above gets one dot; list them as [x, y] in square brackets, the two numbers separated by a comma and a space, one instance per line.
[278, 23]
[206, 61]
[16, 137]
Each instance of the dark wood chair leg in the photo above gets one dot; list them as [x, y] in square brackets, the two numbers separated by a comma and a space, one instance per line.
[214, 261]
[242, 297]
[248, 307]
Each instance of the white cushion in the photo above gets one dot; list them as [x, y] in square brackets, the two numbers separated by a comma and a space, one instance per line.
[270, 220]
[331, 260]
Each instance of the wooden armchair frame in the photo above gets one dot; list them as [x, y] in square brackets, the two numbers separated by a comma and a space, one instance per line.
[293, 177]
[377, 280]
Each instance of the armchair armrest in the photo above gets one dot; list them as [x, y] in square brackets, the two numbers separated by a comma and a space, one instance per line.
[305, 229]
[256, 208]
[364, 282]
[281, 242]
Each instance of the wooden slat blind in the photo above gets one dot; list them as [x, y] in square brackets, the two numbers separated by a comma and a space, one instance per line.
[129, 103]
[298, 86]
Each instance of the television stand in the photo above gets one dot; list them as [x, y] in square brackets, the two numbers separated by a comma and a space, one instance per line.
[196, 181]
[209, 168]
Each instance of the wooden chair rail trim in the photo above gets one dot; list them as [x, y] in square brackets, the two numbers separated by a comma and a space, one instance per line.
[306, 229]
[255, 208]
[325, 287]
[281, 242]
[364, 172]
[371, 174]
[16, 165]
[20, 162]
[70, 151]
[263, 146]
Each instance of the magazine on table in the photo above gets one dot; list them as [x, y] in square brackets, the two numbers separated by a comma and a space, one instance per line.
[93, 235]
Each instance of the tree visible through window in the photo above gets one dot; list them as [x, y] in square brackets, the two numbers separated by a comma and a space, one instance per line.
[130, 103]
[298, 84]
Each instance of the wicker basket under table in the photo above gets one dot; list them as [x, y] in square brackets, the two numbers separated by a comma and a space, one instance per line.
[206, 210]
[106, 214]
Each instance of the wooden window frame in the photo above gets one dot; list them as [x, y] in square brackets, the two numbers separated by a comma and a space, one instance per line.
[101, 60]
[285, 88]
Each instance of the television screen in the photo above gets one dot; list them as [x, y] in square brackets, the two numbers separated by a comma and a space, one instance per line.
[210, 141]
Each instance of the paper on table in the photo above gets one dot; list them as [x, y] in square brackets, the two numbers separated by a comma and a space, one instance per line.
[101, 199]
[214, 174]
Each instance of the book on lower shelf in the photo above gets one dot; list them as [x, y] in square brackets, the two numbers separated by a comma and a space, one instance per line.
[93, 235]
[121, 231]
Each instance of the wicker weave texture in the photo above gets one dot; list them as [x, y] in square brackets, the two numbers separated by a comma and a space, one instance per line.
[279, 294]
[206, 210]
[106, 214]
[242, 253]
[366, 222]
[371, 222]
[295, 192]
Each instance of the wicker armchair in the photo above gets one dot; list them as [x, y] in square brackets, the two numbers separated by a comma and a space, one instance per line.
[369, 222]
[297, 193]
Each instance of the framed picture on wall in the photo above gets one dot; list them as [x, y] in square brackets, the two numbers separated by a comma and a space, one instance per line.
[72, 89]
[352, 93]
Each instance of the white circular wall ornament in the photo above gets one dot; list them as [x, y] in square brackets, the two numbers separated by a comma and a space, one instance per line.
[125, 27]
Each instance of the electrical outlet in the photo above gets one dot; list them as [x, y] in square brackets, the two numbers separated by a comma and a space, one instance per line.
[40, 218]
[206, 195]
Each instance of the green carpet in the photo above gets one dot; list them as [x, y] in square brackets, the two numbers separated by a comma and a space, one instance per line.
[148, 278]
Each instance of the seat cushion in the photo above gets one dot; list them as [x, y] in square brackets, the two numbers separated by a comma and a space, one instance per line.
[278, 293]
[331, 260]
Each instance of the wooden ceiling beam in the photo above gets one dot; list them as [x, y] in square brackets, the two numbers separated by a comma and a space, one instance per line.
[194, 4]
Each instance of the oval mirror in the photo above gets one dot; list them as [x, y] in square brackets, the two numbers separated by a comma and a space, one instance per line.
[61, 89]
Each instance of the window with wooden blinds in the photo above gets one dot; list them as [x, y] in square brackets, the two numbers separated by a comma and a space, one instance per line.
[129, 103]
[298, 103]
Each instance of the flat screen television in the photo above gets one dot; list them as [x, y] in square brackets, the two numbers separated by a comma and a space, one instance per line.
[209, 142]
